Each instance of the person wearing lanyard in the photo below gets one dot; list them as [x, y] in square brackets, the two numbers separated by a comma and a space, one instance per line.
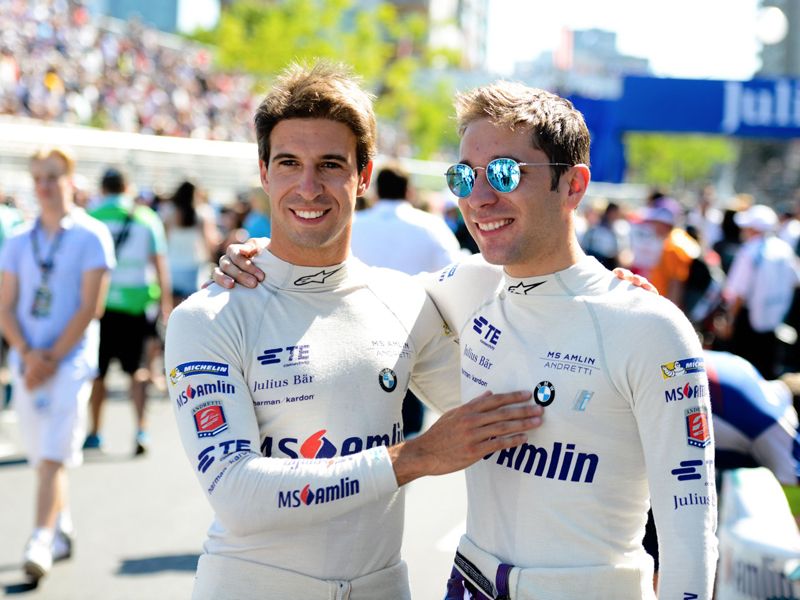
[55, 276]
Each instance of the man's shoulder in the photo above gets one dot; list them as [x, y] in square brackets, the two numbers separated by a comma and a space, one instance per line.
[637, 309]
[390, 279]
[217, 307]
[471, 269]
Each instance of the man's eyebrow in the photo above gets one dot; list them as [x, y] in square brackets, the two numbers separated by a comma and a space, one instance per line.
[338, 157]
[282, 155]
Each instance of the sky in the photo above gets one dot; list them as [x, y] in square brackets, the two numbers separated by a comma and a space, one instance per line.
[712, 39]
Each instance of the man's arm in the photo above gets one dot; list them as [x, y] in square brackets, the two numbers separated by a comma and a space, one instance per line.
[162, 276]
[250, 492]
[464, 435]
[236, 266]
[94, 286]
[677, 441]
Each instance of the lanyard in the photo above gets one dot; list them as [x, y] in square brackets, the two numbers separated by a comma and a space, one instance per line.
[46, 265]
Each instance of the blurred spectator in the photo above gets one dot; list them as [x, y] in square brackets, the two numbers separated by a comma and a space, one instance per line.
[81, 191]
[230, 227]
[394, 234]
[706, 218]
[55, 274]
[192, 238]
[603, 240]
[57, 64]
[789, 225]
[140, 246]
[678, 250]
[759, 290]
[10, 220]
[253, 205]
[729, 244]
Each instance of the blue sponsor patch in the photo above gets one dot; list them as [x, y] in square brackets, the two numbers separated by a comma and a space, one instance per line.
[198, 367]
[685, 366]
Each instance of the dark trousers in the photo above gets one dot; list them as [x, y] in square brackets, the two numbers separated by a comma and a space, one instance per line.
[413, 411]
[760, 348]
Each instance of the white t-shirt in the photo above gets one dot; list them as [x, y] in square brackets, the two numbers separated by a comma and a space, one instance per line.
[764, 273]
[395, 235]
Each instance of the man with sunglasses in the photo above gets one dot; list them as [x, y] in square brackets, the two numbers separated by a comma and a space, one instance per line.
[620, 372]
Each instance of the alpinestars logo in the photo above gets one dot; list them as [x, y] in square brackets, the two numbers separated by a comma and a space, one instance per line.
[316, 277]
[523, 289]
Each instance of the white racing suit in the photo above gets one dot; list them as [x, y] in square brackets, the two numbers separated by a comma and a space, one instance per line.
[286, 397]
[627, 422]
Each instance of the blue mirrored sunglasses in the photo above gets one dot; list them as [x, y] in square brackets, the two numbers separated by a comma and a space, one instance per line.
[503, 175]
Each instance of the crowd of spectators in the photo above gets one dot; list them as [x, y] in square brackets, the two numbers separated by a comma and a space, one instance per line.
[58, 63]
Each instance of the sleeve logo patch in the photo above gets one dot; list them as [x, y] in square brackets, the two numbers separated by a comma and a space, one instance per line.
[209, 419]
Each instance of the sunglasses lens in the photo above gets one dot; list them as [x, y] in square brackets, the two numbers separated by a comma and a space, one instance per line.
[460, 179]
[503, 174]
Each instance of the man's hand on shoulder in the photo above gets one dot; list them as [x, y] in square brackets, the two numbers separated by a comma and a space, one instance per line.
[236, 266]
[465, 434]
[635, 280]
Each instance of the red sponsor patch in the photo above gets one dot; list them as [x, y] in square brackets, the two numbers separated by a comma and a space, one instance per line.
[697, 431]
[209, 419]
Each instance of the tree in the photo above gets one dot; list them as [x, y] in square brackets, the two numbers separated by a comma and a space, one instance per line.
[385, 48]
[675, 161]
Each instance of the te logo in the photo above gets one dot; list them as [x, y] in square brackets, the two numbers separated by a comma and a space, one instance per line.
[296, 354]
[206, 458]
[486, 330]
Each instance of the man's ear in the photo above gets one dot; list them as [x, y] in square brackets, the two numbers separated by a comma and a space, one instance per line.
[579, 177]
[364, 177]
[262, 174]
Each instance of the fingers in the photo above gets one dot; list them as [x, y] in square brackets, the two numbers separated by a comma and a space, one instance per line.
[220, 278]
[488, 401]
[643, 283]
[635, 280]
[500, 443]
[241, 269]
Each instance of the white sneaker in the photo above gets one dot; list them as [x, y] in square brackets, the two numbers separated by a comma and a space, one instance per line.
[38, 558]
[62, 545]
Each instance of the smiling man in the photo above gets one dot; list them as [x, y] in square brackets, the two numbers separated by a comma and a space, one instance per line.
[562, 515]
[288, 396]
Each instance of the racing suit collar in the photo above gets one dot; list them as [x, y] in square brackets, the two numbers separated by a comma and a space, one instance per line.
[284, 275]
[572, 281]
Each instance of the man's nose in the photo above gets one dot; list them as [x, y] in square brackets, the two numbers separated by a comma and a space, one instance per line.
[309, 186]
[482, 192]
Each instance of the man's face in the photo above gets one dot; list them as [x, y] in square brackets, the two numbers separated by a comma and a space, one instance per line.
[526, 229]
[312, 180]
[52, 185]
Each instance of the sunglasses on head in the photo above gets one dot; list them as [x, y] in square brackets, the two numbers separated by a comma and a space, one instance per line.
[503, 174]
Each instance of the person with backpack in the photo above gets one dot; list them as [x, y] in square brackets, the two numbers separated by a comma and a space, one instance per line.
[140, 245]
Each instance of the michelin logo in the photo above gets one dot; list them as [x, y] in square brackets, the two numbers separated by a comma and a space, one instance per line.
[684, 366]
[197, 368]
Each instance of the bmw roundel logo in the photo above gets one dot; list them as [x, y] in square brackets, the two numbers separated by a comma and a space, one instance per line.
[544, 394]
[388, 380]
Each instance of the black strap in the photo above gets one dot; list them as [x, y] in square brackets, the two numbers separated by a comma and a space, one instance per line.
[122, 234]
[474, 573]
[45, 265]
